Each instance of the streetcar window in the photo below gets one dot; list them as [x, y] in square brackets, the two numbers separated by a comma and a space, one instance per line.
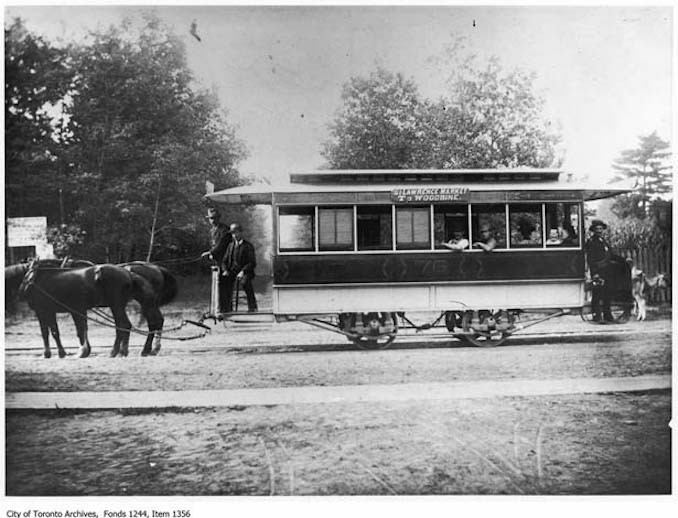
[375, 227]
[413, 228]
[526, 225]
[491, 217]
[562, 224]
[448, 220]
[335, 228]
[296, 229]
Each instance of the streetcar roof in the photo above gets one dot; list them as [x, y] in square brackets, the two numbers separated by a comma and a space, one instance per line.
[384, 181]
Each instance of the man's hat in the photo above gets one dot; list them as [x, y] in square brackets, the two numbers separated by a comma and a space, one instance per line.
[597, 223]
[212, 213]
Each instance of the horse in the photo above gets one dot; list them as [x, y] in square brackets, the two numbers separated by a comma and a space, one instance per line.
[50, 289]
[159, 288]
[14, 274]
[642, 284]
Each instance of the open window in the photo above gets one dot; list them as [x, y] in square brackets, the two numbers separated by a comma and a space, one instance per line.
[526, 225]
[488, 222]
[375, 227]
[450, 224]
[413, 228]
[296, 229]
[335, 228]
[562, 225]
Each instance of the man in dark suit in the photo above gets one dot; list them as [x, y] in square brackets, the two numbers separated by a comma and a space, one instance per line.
[601, 258]
[220, 237]
[238, 266]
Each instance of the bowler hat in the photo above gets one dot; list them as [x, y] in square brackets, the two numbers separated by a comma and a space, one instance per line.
[212, 213]
[597, 223]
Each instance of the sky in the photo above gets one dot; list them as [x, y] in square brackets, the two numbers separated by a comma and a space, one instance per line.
[605, 72]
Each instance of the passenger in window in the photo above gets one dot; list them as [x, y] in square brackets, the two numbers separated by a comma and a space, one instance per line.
[458, 241]
[486, 241]
[238, 266]
[568, 236]
[554, 238]
[528, 233]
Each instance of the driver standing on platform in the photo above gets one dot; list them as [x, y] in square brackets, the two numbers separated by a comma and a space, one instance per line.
[220, 237]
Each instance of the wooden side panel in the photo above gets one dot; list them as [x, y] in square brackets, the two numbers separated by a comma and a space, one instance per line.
[428, 267]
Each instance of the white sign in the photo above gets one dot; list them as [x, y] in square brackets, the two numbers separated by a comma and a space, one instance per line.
[27, 231]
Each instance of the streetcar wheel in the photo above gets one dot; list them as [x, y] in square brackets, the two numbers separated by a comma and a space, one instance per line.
[374, 343]
[479, 337]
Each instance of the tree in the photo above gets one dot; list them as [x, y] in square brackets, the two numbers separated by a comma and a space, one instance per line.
[648, 166]
[37, 77]
[143, 141]
[488, 119]
[379, 124]
[498, 120]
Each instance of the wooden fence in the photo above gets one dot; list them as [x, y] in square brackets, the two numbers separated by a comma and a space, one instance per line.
[652, 262]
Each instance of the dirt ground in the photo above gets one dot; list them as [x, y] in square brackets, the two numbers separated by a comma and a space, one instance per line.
[580, 444]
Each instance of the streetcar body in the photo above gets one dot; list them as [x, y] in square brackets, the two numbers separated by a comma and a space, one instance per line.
[349, 245]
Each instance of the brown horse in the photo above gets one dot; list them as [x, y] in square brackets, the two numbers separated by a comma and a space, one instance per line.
[159, 288]
[50, 288]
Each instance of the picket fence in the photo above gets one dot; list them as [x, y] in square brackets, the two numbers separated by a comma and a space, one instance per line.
[652, 262]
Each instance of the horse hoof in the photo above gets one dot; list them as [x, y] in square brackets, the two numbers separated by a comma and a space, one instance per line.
[155, 352]
[84, 353]
[62, 354]
[146, 353]
[47, 354]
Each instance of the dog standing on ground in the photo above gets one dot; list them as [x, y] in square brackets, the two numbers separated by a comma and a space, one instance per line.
[640, 285]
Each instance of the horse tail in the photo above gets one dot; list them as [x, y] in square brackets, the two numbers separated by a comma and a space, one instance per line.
[142, 291]
[170, 289]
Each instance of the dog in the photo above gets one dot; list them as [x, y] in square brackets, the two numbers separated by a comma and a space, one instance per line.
[640, 285]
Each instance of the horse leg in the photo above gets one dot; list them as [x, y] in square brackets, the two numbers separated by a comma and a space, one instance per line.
[44, 329]
[54, 328]
[81, 328]
[642, 310]
[155, 323]
[122, 331]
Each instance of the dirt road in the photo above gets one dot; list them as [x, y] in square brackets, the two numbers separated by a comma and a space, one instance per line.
[574, 443]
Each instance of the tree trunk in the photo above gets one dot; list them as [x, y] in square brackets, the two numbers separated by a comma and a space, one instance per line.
[155, 221]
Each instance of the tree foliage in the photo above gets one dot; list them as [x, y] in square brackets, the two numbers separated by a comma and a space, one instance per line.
[636, 233]
[379, 124]
[488, 119]
[139, 140]
[649, 167]
[37, 77]
[498, 121]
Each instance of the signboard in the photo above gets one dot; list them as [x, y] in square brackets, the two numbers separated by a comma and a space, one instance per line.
[429, 194]
[27, 231]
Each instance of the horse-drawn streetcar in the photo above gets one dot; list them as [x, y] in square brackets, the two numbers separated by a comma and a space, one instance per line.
[359, 252]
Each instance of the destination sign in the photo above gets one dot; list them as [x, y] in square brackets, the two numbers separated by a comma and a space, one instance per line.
[429, 194]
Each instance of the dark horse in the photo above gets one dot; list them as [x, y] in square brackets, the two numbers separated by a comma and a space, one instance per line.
[159, 288]
[52, 287]
[49, 289]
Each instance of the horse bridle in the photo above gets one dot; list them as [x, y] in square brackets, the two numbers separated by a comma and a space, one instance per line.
[29, 277]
